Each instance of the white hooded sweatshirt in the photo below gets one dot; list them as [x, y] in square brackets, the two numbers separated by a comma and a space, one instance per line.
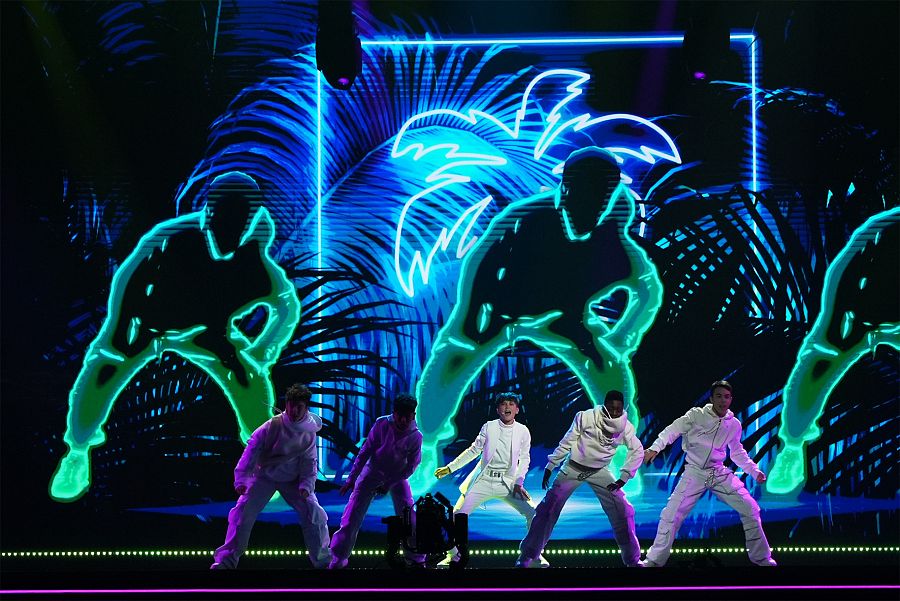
[388, 454]
[281, 450]
[705, 437]
[593, 439]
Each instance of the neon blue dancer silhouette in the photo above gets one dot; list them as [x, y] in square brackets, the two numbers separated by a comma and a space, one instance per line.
[539, 272]
[185, 289]
[859, 312]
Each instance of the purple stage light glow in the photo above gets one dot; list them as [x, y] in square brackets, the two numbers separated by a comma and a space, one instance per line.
[700, 75]
[547, 589]
[343, 81]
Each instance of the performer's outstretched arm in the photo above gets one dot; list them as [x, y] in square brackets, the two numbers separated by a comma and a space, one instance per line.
[669, 435]
[473, 451]
[741, 458]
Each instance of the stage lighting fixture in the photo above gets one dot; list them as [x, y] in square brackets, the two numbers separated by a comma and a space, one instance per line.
[706, 49]
[338, 50]
[428, 528]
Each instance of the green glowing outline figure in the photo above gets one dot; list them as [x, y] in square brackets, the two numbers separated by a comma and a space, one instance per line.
[539, 273]
[858, 314]
[185, 289]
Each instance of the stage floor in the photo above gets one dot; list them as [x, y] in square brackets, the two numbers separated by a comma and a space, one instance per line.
[828, 547]
[589, 574]
[582, 516]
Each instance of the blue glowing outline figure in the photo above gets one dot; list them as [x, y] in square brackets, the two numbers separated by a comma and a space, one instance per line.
[859, 312]
[457, 160]
[543, 267]
[185, 289]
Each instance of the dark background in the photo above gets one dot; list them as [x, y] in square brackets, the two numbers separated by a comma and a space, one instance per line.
[143, 129]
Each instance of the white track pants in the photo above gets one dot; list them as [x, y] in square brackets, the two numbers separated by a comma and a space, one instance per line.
[727, 487]
[617, 508]
[313, 522]
[364, 492]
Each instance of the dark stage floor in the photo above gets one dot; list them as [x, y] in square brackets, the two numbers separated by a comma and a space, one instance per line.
[594, 574]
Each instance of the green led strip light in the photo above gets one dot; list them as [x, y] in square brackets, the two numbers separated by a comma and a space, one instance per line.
[378, 552]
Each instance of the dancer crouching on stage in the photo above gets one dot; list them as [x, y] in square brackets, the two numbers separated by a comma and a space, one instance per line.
[280, 456]
[706, 432]
[390, 454]
[583, 455]
[505, 449]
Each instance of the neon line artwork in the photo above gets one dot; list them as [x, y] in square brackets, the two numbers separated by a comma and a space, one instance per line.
[540, 273]
[185, 289]
[458, 162]
[859, 312]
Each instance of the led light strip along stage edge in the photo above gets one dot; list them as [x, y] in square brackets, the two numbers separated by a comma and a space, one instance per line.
[169, 553]
[545, 589]
[747, 38]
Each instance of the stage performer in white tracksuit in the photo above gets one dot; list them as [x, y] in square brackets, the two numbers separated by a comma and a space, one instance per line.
[583, 455]
[280, 456]
[705, 434]
[391, 453]
[505, 449]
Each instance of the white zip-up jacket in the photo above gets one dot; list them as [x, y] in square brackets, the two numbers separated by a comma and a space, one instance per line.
[484, 445]
[388, 454]
[592, 441]
[704, 438]
[281, 450]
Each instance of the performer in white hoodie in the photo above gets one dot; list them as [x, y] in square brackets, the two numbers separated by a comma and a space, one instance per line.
[280, 456]
[505, 449]
[391, 453]
[706, 432]
[583, 455]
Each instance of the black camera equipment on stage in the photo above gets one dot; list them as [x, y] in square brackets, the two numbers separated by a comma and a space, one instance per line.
[428, 528]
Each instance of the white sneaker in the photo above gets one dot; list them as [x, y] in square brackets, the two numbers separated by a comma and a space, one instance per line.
[445, 563]
[527, 562]
[337, 563]
[647, 563]
[768, 563]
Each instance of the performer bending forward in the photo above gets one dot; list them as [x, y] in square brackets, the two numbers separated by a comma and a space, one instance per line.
[389, 456]
[280, 456]
[584, 454]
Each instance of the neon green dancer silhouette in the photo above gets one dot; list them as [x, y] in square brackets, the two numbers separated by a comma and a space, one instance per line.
[859, 312]
[185, 289]
[539, 273]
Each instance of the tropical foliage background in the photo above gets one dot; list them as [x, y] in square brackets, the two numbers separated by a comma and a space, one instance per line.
[154, 99]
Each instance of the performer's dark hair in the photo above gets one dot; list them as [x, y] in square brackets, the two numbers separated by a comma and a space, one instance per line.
[614, 395]
[719, 384]
[297, 393]
[405, 404]
[507, 396]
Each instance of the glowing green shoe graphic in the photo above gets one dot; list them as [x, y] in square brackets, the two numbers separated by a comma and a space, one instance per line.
[423, 478]
[72, 477]
[789, 471]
